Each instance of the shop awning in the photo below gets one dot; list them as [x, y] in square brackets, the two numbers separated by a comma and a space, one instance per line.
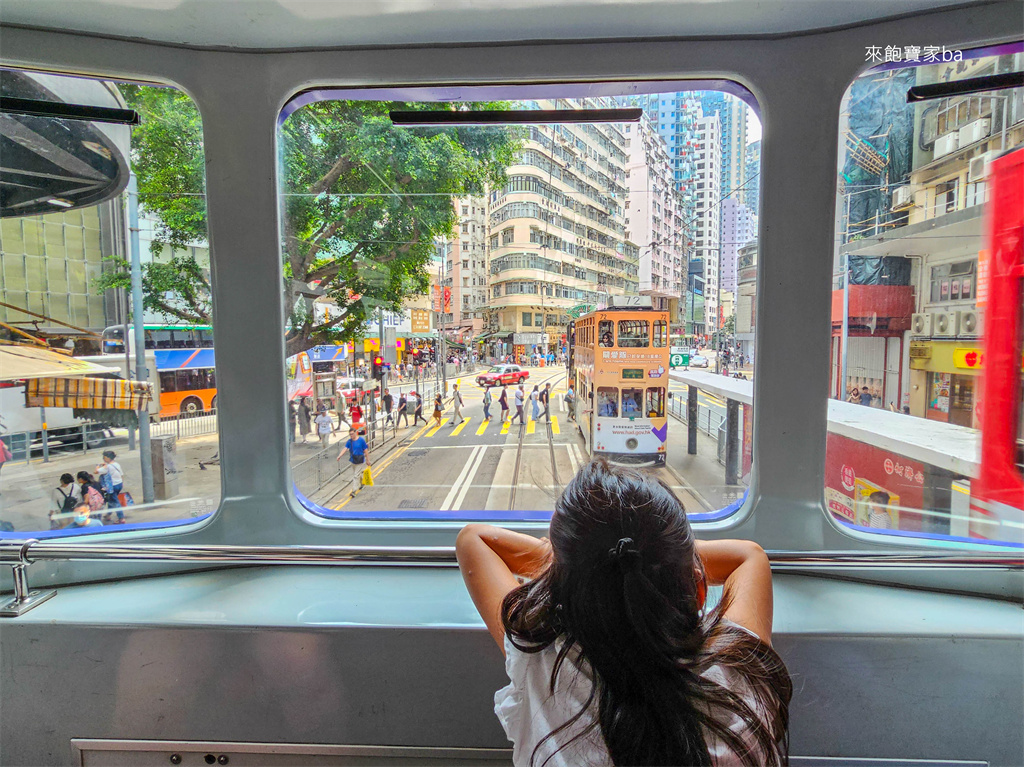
[19, 362]
[88, 393]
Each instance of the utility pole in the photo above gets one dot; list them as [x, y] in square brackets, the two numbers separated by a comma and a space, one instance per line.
[145, 444]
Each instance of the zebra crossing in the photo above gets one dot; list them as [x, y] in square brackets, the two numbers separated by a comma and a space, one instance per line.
[475, 426]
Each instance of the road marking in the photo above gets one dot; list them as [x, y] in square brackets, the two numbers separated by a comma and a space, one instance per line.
[554, 425]
[505, 427]
[579, 455]
[531, 427]
[433, 431]
[483, 426]
[387, 461]
[446, 505]
[572, 459]
[461, 426]
[469, 479]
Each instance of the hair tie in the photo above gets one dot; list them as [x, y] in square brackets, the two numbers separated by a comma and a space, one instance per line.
[626, 554]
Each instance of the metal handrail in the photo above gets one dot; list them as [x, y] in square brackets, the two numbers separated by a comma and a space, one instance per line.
[21, 553]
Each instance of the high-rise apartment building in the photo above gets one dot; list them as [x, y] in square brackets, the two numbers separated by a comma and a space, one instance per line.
[732, 118]
[752, 185]
[707, 217]
[465, 270]
[557, 235]
[654, 215]
[739, 227]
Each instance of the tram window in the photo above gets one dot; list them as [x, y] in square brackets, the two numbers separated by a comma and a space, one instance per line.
[655, 402]
[634, 334]
[632, 403]
[85, 245]
[608, 401]
[605, 333]
[660, 333]
[931, 483]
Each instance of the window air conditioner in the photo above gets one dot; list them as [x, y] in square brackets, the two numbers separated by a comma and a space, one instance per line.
[970, 323]
[921, 324]
[902, 197]
[946, 144]
[946, 323]
[979, 167]
[975, 131]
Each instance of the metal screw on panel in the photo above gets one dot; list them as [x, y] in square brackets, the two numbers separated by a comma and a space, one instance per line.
[222, 759]
[175, 758]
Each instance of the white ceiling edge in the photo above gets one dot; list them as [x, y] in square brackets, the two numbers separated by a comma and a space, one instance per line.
[296, 24]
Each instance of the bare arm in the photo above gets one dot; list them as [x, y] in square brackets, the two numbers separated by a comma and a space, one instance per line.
[742, 567]
[490, 559]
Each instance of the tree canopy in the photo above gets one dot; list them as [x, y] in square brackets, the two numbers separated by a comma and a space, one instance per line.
[363, 201]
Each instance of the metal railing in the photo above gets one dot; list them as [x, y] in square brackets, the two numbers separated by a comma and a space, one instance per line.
[187, 425]
[313, 473]
[21, 553]
[708, 421]
[79, 439]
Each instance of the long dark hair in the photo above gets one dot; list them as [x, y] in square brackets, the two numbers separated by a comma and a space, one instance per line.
[625, 594]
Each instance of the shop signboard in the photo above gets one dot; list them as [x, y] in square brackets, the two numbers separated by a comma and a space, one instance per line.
[526, 339]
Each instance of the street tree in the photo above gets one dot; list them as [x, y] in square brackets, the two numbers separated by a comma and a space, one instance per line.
[363, 201]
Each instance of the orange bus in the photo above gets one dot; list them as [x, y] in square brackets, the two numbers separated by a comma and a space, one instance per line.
[619, 365]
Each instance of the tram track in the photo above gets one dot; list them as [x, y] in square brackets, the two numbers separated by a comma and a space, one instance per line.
[517, 467]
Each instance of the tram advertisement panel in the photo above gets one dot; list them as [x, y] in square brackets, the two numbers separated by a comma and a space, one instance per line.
[871, 487]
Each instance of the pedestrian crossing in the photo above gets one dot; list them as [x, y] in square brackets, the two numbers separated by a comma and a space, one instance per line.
[489, 426]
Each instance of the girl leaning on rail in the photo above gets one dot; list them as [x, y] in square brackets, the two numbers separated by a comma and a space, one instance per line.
[612, 657]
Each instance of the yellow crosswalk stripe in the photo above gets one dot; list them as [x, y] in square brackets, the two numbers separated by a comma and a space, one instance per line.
[483, 426]
[531, 427]
[460, 427]
[505, 427]
[554, 425]
[433, 431]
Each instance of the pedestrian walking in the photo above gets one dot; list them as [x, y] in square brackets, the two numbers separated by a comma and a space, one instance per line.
[112, 477]
[419, 409]
[520, 396]
[387, 401]
[487, 404]
[438, 408]
[293, 420]
[570, 402]
[65, 498]
[545, 397]
[535, 401]
[356, 448]
[324, 428]
[404, 409]
[457, 405]
[304, 418]
[503, 401]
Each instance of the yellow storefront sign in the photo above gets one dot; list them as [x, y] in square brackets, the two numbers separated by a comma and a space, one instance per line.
[971, 359]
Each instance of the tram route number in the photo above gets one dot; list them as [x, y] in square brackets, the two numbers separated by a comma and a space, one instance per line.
[678, 360]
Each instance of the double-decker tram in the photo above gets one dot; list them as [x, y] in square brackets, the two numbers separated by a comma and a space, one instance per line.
[619, 363]
[622, 200]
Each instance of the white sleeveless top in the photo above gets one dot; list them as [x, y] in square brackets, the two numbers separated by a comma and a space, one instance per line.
[528, 711]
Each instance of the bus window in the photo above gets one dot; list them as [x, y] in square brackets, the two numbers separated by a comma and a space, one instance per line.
[113, 341]
[150, 341]
[206, 339]
[632, 403]
[608, 401]
[162, 339]
[604, 331]
[655, 402]
[634, 334]
[167, 381]
[660, 333]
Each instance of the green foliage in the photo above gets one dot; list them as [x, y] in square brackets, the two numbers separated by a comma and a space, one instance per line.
[729, 326]
[363, 201]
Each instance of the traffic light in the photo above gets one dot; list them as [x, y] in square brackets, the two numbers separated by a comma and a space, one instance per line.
[378, 368]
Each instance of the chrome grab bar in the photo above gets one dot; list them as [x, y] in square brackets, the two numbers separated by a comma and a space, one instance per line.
[21, 553]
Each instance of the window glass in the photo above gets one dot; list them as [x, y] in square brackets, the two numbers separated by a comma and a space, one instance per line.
[570, 218]
[608, 401]
[65, 255]
[634, 334]
[926, 333]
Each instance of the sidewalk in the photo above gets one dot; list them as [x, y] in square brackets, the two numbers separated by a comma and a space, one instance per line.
[702, 474]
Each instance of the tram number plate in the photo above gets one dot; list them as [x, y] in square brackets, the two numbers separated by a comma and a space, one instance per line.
[633, 373]
[678, 360]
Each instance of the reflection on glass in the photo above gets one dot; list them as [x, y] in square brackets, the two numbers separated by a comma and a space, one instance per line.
[915, 319]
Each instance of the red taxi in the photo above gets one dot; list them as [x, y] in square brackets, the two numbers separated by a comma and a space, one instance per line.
[501, 375]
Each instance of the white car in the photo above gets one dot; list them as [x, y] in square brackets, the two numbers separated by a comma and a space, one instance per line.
[698, 361]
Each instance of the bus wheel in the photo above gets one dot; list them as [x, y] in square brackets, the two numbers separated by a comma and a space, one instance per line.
[191, 406]
[213, 403]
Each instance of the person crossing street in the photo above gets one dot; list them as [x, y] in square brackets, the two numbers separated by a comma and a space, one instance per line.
[520, 401]
[457, 404]
[545, 398]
